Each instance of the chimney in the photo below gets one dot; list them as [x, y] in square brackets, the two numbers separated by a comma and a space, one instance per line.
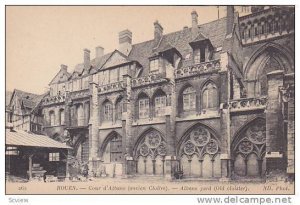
[63, 67]
[125, 41]
[229, 19]
[158, 32]
[86, 58]
[194, 15]
[99, 51]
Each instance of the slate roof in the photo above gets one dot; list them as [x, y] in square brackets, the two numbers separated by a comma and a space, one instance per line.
[215, 31]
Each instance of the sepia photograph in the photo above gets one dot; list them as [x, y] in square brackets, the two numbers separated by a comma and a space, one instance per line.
[173, 100]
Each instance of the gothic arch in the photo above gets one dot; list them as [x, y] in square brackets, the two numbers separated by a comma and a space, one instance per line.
[157, 92]
[193, 126]
[78, 142]
[143, 135]
[199, 152]
[105, 142]
[180, 97]
[285, 56]
[244, 126]
[248, 149]
[149, 152]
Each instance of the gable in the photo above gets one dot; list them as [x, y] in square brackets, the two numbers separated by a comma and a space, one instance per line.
[61, 76]
[115, 59]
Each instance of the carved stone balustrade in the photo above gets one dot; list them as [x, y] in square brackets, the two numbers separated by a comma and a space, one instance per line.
[196, 69]
[79, 94]
[147, 80]
[248, 104]
[112, 87]
[54, 99]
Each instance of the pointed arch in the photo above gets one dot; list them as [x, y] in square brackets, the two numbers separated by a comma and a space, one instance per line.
[248, 148]
[286, 55]
[209, 95]
[149, 152]
[115, 137]
[159, 102]
[199, 151]
[193, 127]
[107, 110]
[245, 126]
[80, 144]
[119, 107]
[142, 105]
[187, 98]
[143, 135]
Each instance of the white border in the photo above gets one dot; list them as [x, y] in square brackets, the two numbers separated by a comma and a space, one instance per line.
[122, 199]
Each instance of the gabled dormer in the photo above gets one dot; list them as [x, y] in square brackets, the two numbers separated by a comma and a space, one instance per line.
[59, 82]
[202, 49]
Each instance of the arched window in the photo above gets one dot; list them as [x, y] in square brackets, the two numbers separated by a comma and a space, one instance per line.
[80, 115]
[52, 118]
[113, 149]
[249, 150]
[160, 103]
[189, 99]
[119, 109]
[143, 106]
[209, 96]
[61, 116]
[107, 111]
[200, 154]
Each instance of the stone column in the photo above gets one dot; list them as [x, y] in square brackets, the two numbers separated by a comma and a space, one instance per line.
[225, 118]
[288, 101]
[93, 128]
[274, 129]
[128, 163]
[170, 159]
[291, 138]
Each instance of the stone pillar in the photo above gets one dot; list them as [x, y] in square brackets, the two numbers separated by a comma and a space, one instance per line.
[170, 159]
[225, 118]
[274, 129]
[291, 138]
[288, 101]
[93, 129]
[68, 110]
[128, 163]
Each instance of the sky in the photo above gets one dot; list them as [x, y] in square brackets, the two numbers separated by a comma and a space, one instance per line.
[41, 38]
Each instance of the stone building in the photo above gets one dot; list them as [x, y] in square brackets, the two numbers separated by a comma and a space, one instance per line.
[213, 101]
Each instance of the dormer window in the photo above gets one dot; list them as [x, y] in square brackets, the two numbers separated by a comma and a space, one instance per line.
[154, 65]
[199, 55]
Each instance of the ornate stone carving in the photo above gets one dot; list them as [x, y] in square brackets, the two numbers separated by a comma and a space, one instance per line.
[196, 69]
[248, 104]
[153, 139]
[153, 144]
[257, 132]
[245, 147]
[144, 150]
[212, 147]
[54, 99]
[200, 136]
[162, 150]
[112, 87]
[147, 80]
[189, 148]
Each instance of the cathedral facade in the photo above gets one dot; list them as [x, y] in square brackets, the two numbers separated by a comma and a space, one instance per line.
[212, 101]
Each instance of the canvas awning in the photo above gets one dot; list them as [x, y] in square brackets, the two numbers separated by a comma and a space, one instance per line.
[22, 138]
